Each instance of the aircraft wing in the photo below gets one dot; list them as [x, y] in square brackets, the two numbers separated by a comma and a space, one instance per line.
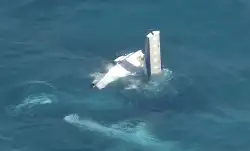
[126, 65]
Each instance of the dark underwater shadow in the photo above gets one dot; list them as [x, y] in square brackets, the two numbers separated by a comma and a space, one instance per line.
[180, 95]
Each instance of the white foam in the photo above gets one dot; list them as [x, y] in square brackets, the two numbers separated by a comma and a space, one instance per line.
[97, 76]
[150, 88]
[33, 100]
[126, 131]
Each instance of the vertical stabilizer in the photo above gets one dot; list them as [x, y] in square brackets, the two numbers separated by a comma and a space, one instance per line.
[153, 54]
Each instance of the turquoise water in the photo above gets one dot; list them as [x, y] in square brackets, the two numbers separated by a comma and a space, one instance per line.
[51, 49]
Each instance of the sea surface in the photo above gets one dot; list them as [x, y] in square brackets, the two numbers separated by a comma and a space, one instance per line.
[51, 51]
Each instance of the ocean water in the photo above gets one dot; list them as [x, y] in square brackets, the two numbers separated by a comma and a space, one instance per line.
[51, 50]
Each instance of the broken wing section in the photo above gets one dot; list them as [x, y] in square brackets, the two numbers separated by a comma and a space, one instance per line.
[126, 65]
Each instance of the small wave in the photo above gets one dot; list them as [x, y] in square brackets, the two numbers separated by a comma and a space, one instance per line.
[150, 88]
[72, 118]
[152, 84]
[125, 131]
[33, 100]
[131, 132]
[40, 82]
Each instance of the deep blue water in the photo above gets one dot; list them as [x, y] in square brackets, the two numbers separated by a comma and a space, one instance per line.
[50, 48]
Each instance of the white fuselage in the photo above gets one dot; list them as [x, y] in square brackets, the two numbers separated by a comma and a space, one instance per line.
[125, 65]
[150, 63]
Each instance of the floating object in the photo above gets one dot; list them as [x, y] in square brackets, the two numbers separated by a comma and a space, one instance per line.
[147, 63]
